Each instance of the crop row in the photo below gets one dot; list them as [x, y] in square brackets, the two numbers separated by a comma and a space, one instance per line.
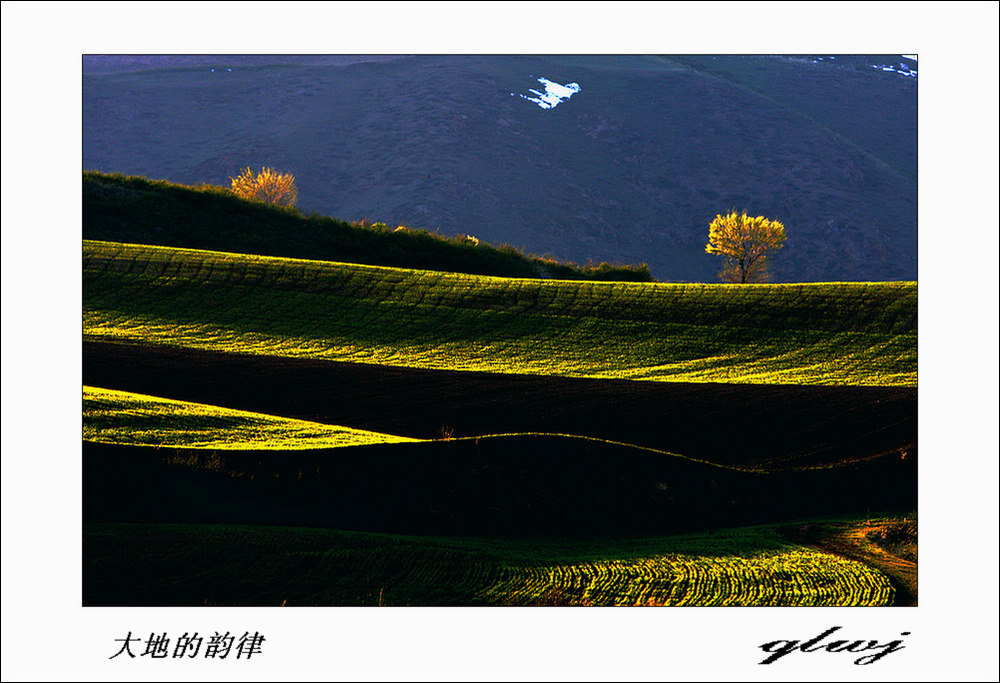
[194, 564]
[847, 333]
[120, 417]
[787, 577]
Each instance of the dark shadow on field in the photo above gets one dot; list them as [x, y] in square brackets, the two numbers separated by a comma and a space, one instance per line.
[767, 426]
[511, 484]
[196, 565]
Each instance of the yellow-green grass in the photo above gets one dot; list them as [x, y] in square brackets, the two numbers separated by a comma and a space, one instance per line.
[128, 418]
[173, 564]
[121, 417]
[785, 577]
[831, 333]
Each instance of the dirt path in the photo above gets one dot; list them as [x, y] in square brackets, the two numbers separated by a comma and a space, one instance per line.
[850, 541]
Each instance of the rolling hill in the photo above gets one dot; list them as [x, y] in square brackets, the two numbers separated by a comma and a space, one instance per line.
[547, 445]
[631, 169]
[122, 208]
[842, 333]
[749, 426]
[265, 389]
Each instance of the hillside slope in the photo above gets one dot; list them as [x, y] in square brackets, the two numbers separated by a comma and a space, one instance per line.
[847, 333]
[135, 209]
[631, 169]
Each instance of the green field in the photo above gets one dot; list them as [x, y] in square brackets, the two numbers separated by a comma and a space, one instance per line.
[856, 334]
[242, 565]
[123, 417]
[269, 430]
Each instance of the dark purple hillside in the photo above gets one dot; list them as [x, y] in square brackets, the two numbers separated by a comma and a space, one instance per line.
[631, 168]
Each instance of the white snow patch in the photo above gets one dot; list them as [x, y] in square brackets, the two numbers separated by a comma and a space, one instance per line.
[554, 94]
[902, 70]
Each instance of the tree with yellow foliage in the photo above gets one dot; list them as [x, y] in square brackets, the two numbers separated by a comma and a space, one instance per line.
[745, 242]
[268, 186]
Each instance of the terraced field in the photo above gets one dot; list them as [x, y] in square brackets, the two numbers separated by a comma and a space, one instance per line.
[195, 565]
[856, 334]
[122, 417]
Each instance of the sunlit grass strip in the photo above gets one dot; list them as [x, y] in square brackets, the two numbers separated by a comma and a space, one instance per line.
[195, 564]
[730, 567]
[788, 577]
[834, 333]
[122, 417]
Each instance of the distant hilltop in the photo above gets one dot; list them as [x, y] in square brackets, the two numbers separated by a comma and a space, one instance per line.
[632, 168]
